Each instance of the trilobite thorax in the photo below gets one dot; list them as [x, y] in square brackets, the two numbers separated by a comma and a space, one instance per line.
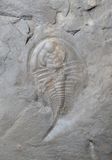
[57, 72]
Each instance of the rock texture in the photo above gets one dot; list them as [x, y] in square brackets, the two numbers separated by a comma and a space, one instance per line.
[84, 132]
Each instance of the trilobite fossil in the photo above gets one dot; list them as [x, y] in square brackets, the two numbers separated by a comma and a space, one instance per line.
[58, 73]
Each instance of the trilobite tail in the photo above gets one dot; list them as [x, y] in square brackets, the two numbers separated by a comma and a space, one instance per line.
[52, 126]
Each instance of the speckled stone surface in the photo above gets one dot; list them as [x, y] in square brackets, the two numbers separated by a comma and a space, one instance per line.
[84, 132]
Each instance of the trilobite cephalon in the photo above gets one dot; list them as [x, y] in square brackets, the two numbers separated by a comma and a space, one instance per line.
[58, 72]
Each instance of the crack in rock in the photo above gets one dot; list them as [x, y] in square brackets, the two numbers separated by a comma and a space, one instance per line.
[73, 32]
[24, 17]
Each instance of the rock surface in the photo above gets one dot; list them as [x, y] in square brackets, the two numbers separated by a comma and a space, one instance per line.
[85, 133]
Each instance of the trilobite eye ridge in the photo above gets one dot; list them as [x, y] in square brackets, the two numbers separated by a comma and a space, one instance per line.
[42, 58]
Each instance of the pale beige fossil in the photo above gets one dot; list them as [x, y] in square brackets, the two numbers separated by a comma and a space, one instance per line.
[58, 73]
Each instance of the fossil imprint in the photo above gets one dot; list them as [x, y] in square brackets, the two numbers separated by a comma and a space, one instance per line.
[58, 74]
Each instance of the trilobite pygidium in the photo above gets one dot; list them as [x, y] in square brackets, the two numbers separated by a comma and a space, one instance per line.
[57, 73]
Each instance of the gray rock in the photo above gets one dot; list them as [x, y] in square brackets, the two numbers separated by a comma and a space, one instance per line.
[82, 131]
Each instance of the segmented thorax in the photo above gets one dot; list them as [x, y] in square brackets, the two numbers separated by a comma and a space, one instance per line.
[57, 72]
